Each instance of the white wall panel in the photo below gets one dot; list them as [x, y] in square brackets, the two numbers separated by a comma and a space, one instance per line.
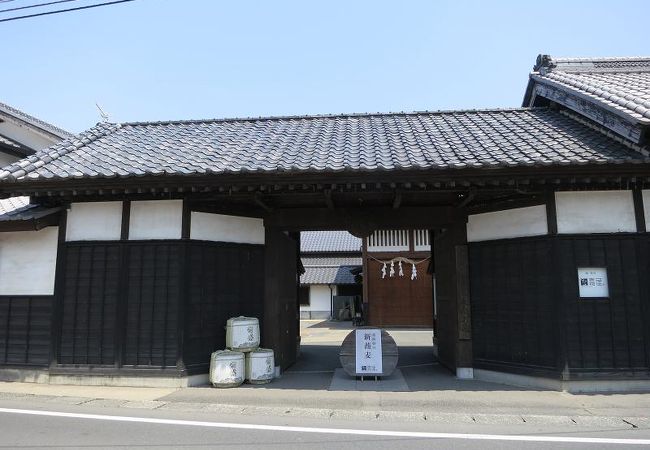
[28, 262]
[595, 212]
[510, 223]
[222, 228]
[156, 219]
[319, 298]
[94, 221]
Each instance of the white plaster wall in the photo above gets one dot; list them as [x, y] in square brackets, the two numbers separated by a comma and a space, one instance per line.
[94, 221]
[319, 298]
[510, 223]
[595, 212]
[156, 219]
[25, 135]
[222, 228]
[6, 159]
[28, 262]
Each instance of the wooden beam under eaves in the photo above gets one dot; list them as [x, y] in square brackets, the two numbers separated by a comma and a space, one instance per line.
[328, 199]
[257, 198]
[397, 200]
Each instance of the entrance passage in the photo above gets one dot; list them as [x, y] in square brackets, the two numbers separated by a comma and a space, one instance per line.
[318, 364]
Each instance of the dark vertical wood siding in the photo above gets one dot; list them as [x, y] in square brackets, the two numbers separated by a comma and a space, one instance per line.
[527, 312]
[225, 281]
[513, 303]
[153, 295]
[89, 304]
[121, 301]
[612, 334]
[25, 330]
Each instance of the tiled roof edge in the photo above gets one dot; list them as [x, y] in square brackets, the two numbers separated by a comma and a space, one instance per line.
[323, 116]
[610, 134]
[547, 63]
[47, 155]
[48, 127]
[564, 83]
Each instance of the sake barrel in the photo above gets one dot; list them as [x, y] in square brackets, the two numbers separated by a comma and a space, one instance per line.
[242, 333]
[260, 366]
[227, 368]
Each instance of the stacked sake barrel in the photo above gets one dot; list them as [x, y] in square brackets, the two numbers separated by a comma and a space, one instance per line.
[243, 359]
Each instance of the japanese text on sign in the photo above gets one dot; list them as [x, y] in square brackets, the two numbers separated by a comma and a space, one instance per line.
[368, 351]
[592, 282]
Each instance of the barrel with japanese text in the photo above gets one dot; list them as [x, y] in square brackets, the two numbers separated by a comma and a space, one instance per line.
[369, 351]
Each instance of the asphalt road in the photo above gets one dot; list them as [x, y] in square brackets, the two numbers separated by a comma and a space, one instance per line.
[41, 425]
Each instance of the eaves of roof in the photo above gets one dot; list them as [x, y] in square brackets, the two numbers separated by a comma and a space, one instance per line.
[424, 143]
[21, 116]
[614, 92]
[18, 214]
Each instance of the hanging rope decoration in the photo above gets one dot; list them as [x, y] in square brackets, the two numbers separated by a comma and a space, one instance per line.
[400, 269]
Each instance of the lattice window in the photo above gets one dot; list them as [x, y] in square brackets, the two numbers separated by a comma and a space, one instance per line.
[388, 241]
[421, 240]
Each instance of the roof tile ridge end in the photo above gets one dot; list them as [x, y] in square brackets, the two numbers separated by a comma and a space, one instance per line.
[49, 154]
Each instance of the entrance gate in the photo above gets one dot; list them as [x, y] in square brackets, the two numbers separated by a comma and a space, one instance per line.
[450, 260]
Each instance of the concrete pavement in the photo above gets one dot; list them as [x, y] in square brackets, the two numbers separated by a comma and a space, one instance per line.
[307, 390]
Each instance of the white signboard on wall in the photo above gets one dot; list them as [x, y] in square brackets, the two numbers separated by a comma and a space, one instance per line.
[592, 282]
[368, 351]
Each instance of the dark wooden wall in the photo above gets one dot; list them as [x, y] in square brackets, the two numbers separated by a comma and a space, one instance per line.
[153, 292]
[154, 304]
[528, 316]
[514, 303]
[89, 304]
[607, 335]
[25, 330]
[225, 280]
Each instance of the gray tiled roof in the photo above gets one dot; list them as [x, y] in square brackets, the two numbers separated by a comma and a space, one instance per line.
[622, 85]
[328, 241]
[19, 208]
[38, 123]
[313, 261]
[319, 144]
[325, 270]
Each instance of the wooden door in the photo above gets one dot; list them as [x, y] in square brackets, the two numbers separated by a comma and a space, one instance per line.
[399, 301]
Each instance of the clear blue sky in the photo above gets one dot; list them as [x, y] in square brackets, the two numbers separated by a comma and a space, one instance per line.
[183, 59]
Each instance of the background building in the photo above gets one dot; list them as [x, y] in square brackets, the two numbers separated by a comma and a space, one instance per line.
[328, 258]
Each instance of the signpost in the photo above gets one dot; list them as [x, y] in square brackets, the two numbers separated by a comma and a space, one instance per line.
[368, 352]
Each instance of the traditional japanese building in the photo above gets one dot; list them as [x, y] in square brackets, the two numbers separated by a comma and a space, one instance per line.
[328, 259]
[160, 231]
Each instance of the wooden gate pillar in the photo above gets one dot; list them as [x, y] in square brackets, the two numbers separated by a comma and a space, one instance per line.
[453, 299]
[280, 326]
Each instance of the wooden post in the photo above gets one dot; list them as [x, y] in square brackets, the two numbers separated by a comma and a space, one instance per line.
[280, 331]
[639, 210]
[270, 328]
[59, 291]
[451, 256]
